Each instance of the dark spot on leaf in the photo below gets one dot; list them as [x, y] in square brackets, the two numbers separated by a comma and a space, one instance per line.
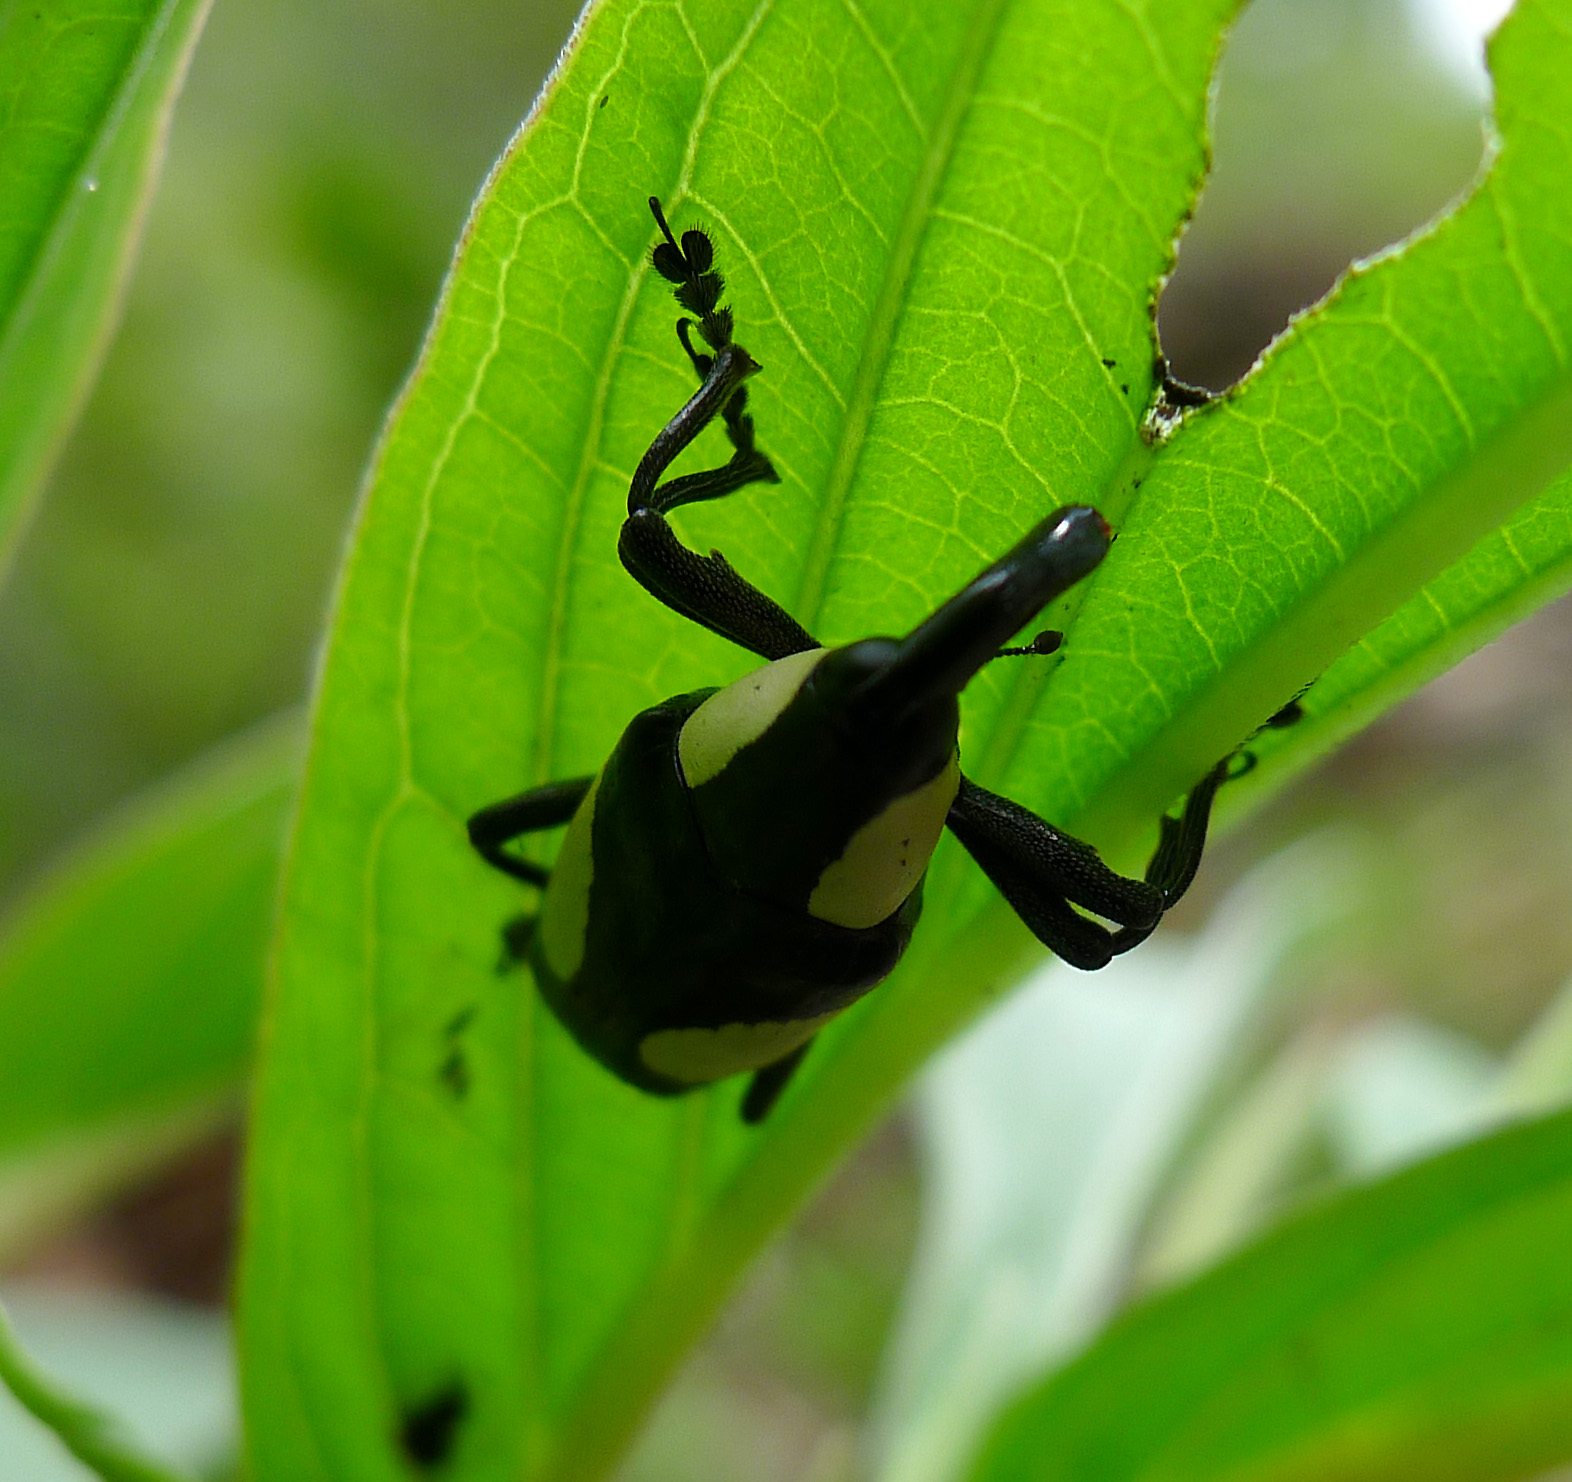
[1124, 386]
[1110, 363]
[517, 934]
[604, 99]
[455, 1067]
[428, 1430]
[455, 1073]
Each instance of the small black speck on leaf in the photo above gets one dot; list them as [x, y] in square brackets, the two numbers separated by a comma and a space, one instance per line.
[1110, 363]
[1124, 386]
[605, 98]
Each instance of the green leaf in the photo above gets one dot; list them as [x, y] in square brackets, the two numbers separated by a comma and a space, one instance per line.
[1514, 570]
[86, 90]
[1421, 1327]
[939, 230]
[1392, 474]
[130, 975]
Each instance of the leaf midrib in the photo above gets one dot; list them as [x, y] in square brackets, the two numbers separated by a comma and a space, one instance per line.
[24, 467]
[590, 459]
[111, 117]
[889, 307]
[546, 736]
[877, 347]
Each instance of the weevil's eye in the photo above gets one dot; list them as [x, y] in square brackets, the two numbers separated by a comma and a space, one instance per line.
[668, 263]
[698, 249]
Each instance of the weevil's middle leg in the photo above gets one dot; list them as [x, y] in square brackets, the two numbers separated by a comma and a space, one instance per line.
[705, 589]
[540, 808]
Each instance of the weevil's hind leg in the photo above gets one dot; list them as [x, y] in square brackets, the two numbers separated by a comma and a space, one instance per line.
[540, 808]
[1042, 871]
[764, 1090]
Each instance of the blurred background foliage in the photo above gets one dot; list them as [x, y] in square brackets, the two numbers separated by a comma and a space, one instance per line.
[321, 165]
[172, 589]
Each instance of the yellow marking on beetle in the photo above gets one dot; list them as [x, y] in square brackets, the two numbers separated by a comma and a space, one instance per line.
[697, 1056]
[738, 714]
[564, 913]
[886, 857]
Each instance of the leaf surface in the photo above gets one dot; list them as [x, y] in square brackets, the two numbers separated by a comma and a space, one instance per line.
[1420, 1327]
[86, 90]
[1385, 492]
[941, 233]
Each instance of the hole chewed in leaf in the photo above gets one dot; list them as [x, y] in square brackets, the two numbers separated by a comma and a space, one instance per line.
[1339, 128]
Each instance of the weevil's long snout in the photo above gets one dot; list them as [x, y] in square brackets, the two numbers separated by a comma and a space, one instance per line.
[938, 658]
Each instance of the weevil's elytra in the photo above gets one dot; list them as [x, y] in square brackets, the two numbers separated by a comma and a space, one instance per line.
[564, 917]
[887, 857]
[749, 861]
[738, 714]
[697, 1056]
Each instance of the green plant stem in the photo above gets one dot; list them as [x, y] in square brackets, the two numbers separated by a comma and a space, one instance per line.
[82, 1431]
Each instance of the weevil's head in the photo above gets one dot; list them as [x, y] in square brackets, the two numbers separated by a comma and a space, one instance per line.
[902, 694]
[809, 798]
[822, 781]
[908, 737]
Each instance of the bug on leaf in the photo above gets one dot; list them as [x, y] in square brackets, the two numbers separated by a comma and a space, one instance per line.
[750, 860]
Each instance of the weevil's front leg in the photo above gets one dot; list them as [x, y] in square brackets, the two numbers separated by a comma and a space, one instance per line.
[1180, 845]
[540, 808]
[705, 589]
[1041, 871]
